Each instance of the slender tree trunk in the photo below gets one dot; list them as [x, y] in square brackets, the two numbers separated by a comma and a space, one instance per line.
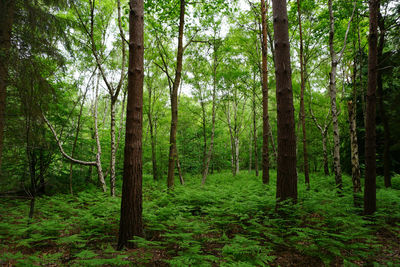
[325, 152]
[152, 137]
[237, 159]
[287, 174]
[174, 99]
[266, 128]
[302, 109]
[255, 129]
[214, 100]
[370, 129]
[113, 148]
[387, 161]
[6, 22]
[332, 94]
[355, 170]
[250, 150]
[178, 165]
[131, 223]
[272, 139]
[96, 136]
[203, 112]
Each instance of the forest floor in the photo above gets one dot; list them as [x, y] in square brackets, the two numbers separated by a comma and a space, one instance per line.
[231, 221]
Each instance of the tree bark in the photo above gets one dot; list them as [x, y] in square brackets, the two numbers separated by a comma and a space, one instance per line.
[113, 147]
[355, 165]
[302, 109]
[266, 128]
[370, 129]
[174, 99]
[131, 223]
[387, 161]
[152, 136]
[255, 128]
[98, 145]
[6, 22]
[287, 174]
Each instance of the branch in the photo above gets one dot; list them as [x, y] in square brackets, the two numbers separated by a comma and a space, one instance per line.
[86, 163]
[347, 32]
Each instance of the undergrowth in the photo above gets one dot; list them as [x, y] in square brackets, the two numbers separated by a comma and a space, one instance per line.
[231, 221]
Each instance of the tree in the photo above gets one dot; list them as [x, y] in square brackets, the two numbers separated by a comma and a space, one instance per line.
[370, 127]
[287, 173]
[335, 60]
[174, 99]
[131, 223]
[266, 128]
[302, 110]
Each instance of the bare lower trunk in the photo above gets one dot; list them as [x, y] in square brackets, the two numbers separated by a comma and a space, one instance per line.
[174, 100]
[113, 149]
[250, 151]
[237, 162]
[266, 126]
[255, 131]
[355, 170]
[287, 174]
[387, 161]
[131, 222]
[178, 165]
[332, 94]
[325, 152]
[370, 128]
[96, 136]
[302, 109]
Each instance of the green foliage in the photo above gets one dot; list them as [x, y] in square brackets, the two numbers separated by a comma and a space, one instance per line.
[231, 221]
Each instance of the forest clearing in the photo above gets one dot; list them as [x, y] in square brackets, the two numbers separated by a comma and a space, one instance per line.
[199, 133]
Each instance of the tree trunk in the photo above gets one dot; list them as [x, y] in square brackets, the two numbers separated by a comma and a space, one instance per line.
[214, 100]
[255, 129]
[96, 136]
[178, 165]
[370, 129]
[152, 137]
[113, 148]
[204, 128]
[6, 22]
[287, 174]
[355, 170]
[266, 128]
[250, 150]
[302, 109]
[387, 161]
[131, 223]
[332, 94]
[325, 152]
[174, 99]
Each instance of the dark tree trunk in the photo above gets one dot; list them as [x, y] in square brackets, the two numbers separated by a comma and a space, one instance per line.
[387, 161]
[370, 128]
[266, 130]
[302, 110]
[174, 100]
[6, 22]
[287, 174]
[131, 223]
